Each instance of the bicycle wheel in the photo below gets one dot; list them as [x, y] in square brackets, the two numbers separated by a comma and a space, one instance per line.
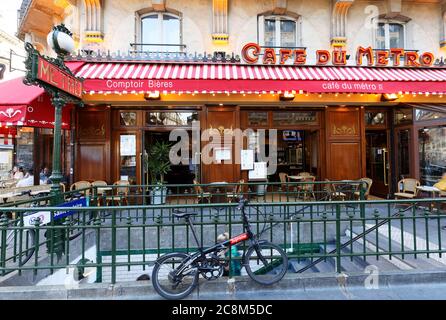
[266, 263]
[20, 246]
[169, 285]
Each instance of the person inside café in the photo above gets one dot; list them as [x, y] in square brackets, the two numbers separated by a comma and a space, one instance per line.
[17, 173]
[45, 176]
[28, 180]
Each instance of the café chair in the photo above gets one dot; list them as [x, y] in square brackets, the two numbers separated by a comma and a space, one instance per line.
[307, 188]
[283, 180]
[304, 174]
[200, 194]
[331, 193]
[96, 185]
[236, 193]
[408, 188]
[120, 193]
[79, 185]
[368, 184]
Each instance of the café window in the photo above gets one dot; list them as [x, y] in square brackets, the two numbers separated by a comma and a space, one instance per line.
[278, 31]
[390, 35]
[257, 119]
[127, 119]
[432, 150]
[403, 116]
[281, 119]
[171, 118]
[423, 115]
[373, 118]
[160, 32]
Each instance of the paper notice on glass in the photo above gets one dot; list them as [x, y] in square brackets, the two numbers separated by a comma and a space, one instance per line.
[259, 171]
[222, 154]
[128, 145]
[247, 159]
[125, 178]
[4, 157]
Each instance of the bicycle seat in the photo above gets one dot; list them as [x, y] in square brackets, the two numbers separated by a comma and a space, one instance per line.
[183, 214]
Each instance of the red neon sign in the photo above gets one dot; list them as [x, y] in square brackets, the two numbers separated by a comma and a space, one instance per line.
[338, 57]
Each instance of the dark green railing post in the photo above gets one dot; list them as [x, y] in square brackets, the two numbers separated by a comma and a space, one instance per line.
[97, 226]
[113, 253]
[4, 228]
[36, 244]
[362, 190]
[338, 238]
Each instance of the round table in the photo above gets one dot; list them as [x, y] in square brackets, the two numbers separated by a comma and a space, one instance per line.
[431, 190]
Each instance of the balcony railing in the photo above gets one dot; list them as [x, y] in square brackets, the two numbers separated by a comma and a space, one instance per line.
[21, 13]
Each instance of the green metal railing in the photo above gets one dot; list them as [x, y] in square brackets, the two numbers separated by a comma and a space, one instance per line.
[227, 192]
[134, 236]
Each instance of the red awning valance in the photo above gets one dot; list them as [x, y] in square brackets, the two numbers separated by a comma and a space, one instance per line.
[175, 77]
[28, 106]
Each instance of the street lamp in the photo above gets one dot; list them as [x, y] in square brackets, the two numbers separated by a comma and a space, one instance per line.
[57, 79]
[61, 41]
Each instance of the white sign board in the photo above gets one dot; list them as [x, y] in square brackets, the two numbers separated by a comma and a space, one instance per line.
[128, 145]
[259, 171]
[222, 154]
[247, 159]
[5, 157]
[30, 220]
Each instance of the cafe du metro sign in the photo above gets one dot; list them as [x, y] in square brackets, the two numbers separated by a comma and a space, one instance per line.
[337, 57]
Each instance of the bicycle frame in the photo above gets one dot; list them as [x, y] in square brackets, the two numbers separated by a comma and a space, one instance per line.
[246, 235]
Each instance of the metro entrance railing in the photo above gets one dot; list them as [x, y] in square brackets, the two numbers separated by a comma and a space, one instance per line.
[131, 237]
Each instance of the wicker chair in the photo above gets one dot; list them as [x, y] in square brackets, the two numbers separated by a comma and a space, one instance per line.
[81, 185]
[368, 183]
[200, 194]
[307, 188]
[120, 194]
[409, 188]
[332, 194]
[238, 190]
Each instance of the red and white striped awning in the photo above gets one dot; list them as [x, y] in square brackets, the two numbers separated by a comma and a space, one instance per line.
[177, 77]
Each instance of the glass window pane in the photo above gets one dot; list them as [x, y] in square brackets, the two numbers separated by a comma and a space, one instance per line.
[432, 149]
[422, 115]
[403, 116]
[171, 118]
[396, 34]
[381, 36]
[375, 118]
[127, 119]
[150, 32]
[270, 32]
[293, 118]
[171, 32]
[127, 155]
[257, 118]
[287, 33]
[403, 154]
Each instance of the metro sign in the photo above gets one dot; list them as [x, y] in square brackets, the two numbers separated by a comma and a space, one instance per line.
[58, 78]
[52, 75]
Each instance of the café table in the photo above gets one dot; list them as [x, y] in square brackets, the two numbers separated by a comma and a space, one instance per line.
[9, 195]
[432, 191]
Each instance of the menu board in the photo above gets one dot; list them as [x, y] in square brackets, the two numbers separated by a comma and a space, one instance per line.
[259, 172]
[128, 145]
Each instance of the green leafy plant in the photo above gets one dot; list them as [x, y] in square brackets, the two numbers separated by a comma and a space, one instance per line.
[157, 162]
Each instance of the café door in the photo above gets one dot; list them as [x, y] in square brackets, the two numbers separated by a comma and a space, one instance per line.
[378, 166]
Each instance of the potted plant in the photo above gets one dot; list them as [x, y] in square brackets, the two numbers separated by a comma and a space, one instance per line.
[157, 164]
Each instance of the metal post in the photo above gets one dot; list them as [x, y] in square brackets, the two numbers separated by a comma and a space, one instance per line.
[56, 175]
